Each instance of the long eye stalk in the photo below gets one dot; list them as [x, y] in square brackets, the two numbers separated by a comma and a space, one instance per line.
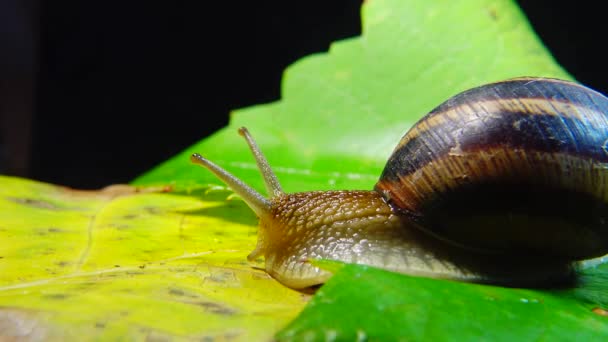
[257, 202]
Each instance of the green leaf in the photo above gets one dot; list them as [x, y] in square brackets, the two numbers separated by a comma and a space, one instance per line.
[126, 263]
[362, 303]
[341, 113]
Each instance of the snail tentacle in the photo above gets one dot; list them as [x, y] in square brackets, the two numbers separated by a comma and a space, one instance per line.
[273, 187]
[260, 205]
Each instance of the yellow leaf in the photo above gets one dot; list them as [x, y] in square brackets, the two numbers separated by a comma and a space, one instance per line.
[132, 263]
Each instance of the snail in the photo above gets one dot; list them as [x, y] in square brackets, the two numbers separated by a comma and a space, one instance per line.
[504, 184]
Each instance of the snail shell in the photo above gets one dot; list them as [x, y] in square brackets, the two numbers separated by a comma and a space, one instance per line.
[514, 166]
[506, 183]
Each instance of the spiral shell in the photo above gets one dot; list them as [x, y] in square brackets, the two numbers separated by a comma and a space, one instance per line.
[515, 166]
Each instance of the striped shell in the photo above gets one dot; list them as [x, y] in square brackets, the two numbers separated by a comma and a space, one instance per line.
[519, 165]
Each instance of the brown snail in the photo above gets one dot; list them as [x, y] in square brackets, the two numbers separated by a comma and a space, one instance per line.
[506, 183]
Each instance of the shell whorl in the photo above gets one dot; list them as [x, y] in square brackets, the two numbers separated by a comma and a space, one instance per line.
[509, 166]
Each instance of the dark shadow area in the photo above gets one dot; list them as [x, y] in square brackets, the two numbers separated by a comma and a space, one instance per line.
[235, 211]
[575, 35]
[95, 93]
[125, 86]
[230, 204]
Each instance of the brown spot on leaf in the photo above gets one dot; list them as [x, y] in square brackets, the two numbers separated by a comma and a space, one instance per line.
[185, 237]
[216, 308]
[176, 292]
[600, 311]
[56, 296]
[116, 190]
[45, 231]
[493, 13]
[153, 210]
[181, 293]
[34, 202]
[63, 263]
[87, 286]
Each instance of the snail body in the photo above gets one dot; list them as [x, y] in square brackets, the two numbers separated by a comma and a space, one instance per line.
[506, 183]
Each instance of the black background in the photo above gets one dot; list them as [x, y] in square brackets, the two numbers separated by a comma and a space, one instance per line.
[124, 86]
